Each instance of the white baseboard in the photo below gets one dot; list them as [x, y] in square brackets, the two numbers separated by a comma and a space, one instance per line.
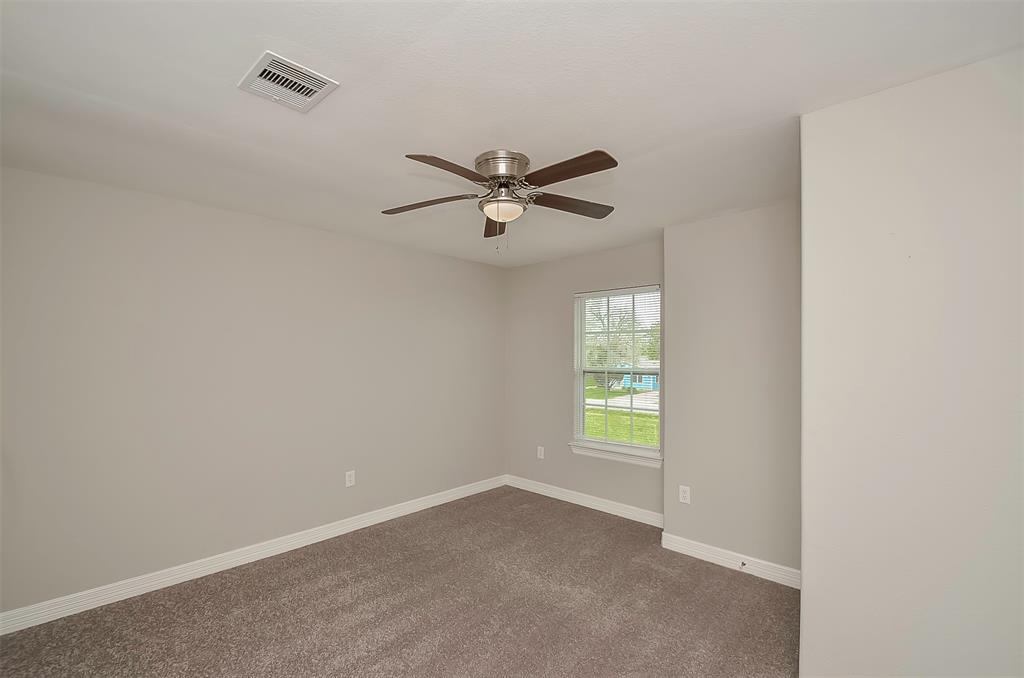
[736, 561]
[590, 501]
[48, 610]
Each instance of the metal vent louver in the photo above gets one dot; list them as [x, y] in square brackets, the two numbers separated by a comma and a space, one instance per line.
[286, 82]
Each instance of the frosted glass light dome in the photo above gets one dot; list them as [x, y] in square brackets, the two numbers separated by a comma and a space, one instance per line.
[503, 210]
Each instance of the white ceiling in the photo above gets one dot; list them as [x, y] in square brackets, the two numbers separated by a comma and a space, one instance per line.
[697, 101]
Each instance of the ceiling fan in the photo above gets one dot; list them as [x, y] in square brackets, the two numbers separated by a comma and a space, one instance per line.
[512, 188]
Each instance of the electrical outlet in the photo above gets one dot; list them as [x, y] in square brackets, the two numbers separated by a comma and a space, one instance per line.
[540, 452]
[684, 494]
[350, 478]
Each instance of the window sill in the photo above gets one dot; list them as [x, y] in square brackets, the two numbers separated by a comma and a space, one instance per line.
[630, 454]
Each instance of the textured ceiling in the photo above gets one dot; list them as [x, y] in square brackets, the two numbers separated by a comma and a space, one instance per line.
[697, 101]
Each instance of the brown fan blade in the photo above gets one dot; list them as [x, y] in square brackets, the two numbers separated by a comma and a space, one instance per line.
[493, 228]
[588, 163]
[593, 210]
[428, 203]
[441, 163]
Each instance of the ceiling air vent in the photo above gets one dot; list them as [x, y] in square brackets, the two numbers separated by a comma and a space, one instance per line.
[286, 82]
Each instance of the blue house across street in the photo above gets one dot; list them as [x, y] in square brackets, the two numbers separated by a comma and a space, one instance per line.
[640, 381]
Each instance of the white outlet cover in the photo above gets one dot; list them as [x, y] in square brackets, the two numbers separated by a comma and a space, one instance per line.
[684, 494]
[540, 452]
[350, 478]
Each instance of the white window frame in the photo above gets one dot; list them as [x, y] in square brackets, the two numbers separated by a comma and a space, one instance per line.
[640, 455]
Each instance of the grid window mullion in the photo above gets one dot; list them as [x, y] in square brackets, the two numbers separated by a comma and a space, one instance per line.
[632, 361]
[607, 344]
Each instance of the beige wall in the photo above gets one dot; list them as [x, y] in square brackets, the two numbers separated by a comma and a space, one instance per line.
[179, 381]
[539, 372]
[732, 382]
[912, 394]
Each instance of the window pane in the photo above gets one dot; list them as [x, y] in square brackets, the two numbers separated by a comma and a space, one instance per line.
[646, 398]
[619, 418]
[594, 387]
[595, 350]
[596, 314]
[620, 314]
[648, 330]
[646, 428]
[620, 351]
[596, 396]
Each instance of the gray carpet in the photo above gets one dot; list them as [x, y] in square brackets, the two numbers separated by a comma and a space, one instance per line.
[503, 583]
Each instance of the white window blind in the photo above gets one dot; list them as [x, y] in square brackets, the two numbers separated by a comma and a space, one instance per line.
[618, 370]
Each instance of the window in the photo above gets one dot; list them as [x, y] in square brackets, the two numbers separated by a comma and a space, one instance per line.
[618, 368]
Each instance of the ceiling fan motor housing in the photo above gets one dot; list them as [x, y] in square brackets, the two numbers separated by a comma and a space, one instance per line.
[502, 164]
